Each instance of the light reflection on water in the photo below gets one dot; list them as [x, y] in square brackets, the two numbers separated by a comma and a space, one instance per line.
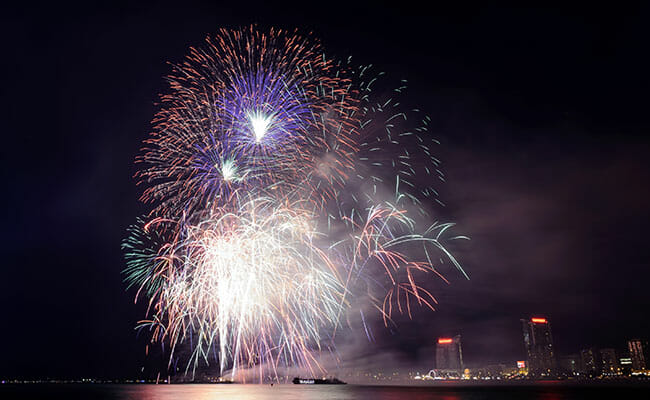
[281, 392]
[321, 392]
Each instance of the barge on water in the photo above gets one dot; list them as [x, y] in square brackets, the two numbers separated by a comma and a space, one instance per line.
[313, 381]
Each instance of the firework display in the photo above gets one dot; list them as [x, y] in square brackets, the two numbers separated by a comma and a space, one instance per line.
[283, 193]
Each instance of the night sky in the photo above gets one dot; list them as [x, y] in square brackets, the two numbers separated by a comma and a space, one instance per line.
[542, 114]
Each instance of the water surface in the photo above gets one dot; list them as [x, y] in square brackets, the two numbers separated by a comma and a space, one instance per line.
[322, 392]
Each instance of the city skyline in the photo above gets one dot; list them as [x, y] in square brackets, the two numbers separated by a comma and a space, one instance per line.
[617, 360]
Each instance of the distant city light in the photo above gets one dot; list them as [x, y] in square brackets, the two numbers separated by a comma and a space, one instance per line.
[539, 320]
[444, 341]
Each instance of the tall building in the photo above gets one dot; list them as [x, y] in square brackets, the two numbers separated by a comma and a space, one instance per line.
[638, 353]
[609, 362]
[570, 365]
[626, 365]
[449, 354]
[538, 342]
[591, 361]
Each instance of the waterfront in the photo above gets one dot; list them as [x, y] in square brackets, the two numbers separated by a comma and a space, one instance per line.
[545, 391]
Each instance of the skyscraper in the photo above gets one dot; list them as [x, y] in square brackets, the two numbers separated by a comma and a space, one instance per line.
[609, 362]
[638, 350]
[591, 362]
[538, 342]
[449, 354]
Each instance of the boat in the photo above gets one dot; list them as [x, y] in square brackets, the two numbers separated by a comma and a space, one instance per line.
[314, 381]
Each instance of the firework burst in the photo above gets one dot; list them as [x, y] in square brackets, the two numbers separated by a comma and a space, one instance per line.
[282, 191]
[267, 109]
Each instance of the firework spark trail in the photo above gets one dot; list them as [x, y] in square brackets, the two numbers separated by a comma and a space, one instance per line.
[282, 190]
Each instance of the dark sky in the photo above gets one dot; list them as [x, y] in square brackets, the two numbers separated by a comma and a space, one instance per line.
[542, 115]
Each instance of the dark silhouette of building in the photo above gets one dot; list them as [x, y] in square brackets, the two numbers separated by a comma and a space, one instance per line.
[538, 342]
[449, 354]
[625, 363]
[638, 353]
[591, 362]
[609, 362]
[571, 365]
